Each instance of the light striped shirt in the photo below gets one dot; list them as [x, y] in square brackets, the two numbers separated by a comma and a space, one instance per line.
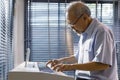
[97, 44]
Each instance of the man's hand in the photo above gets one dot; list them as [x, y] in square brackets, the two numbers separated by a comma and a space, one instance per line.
[52, 63]
[62, 67]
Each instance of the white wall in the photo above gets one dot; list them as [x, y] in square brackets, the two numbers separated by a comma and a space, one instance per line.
[18, 32]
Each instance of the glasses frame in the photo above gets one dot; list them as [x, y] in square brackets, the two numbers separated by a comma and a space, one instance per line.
[76, 20]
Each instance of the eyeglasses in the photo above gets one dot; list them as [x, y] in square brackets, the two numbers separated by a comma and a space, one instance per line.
[75, 21]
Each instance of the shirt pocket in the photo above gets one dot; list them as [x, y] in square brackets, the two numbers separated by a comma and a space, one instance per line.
[87, 52]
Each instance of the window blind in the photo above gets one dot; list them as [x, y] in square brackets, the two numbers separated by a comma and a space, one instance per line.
[47, 31]
[6, 54]
[117, 33]
[48, 34]
[3, 46]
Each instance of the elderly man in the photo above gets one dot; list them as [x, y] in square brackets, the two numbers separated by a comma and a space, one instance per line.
[96, 57]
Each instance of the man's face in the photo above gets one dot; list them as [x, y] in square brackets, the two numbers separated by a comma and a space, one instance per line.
[75, 23]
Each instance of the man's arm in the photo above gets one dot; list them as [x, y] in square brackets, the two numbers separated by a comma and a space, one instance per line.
[70, 59]
[91, 66]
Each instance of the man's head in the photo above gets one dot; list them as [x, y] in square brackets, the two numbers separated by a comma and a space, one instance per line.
[78, 16]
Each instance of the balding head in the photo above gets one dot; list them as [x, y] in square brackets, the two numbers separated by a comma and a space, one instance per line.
[77, 8]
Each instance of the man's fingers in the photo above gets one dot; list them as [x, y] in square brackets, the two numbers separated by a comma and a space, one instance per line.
[59, 67]
[55, 67]
[48, 62]
[52, 63]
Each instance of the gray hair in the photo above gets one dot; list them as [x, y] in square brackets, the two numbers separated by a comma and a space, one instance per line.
[78, 8]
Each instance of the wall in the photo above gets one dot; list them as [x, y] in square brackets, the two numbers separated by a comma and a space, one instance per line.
[18, 32]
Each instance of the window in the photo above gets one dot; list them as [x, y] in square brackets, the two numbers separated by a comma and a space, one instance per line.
[47, 31]
[6, 53]
[104, 12]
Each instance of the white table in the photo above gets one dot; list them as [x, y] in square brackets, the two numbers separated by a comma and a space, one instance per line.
[31, 72]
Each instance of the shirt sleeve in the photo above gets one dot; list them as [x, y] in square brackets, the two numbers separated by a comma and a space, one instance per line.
[104, 47]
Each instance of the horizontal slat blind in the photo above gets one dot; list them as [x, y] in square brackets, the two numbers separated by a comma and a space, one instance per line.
[48, 31]
[9, 34]
[6, 55]
[117, 33]
[48, 36]
[3, 55]
[99, 10]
